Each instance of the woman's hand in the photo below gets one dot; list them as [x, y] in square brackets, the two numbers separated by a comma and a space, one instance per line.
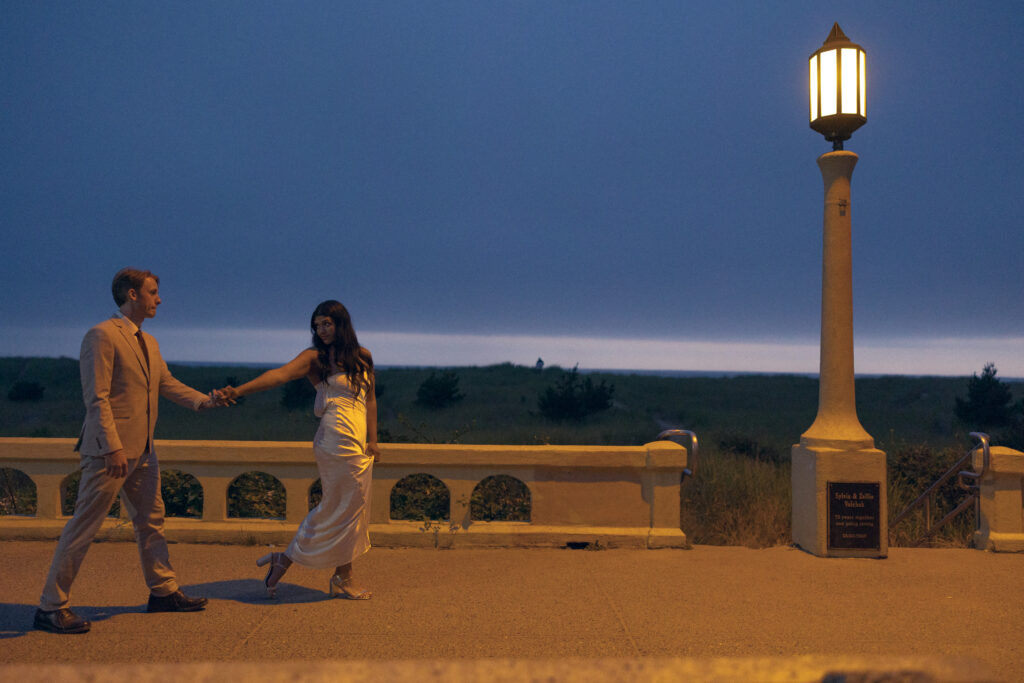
[371, 449]
[228, 394]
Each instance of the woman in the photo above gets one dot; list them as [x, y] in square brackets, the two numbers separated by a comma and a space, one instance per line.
[336, 531]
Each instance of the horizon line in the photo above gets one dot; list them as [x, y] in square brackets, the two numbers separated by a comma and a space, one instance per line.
[915, 356]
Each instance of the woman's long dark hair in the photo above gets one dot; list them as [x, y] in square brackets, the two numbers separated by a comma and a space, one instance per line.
[348, 355]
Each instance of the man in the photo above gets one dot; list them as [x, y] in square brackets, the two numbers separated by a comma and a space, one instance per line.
[123, 376]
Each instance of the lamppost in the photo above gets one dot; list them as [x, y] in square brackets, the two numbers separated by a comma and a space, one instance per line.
[839, 491]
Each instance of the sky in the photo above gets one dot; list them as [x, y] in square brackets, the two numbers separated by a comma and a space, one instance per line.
[616, 184]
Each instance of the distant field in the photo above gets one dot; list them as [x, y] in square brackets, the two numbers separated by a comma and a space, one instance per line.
[500, 406]
[746, 425]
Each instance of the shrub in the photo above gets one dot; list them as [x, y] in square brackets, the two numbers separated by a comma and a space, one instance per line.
[988, 400]
[420, 497]
[17, 493]
[256, 494]
[298, 395]
[574, 398]
[26, 391]
[438, 391]
[500, 498]
[182, 494]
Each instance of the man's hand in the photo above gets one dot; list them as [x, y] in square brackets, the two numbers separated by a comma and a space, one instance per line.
[117, 464]
[371, 449]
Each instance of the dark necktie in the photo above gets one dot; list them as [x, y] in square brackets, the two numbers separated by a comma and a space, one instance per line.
[142, 343]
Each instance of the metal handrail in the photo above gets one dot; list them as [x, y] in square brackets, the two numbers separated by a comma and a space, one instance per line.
[931, 489]
[671, 434]
[925, 498]
[983, 439]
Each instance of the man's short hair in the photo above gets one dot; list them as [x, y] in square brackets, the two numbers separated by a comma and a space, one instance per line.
[129, 278]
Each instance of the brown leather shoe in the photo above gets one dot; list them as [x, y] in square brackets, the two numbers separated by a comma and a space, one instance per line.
[175, 602]
[60, 621]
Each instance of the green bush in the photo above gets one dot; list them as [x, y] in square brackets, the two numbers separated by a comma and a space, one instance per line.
[500, 498]
[574, 398]
[438, 391]
[256, 494]
[420, 497]
[182, 494]
[17, 493]
[987, 403]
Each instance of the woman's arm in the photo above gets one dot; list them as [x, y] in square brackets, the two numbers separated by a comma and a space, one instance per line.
[300, 366]
[371, 416]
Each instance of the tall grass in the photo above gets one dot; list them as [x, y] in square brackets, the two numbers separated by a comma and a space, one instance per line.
[737, 500]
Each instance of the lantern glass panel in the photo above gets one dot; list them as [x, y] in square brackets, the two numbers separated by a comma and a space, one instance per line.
[849, 80]
[814, 87]
[829, 82]
[863, 89]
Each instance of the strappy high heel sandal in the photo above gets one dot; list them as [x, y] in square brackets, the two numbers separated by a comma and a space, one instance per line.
[338, 589]
[276, 561]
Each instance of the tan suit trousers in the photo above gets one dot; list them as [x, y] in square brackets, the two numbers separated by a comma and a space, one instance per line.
[140, 496]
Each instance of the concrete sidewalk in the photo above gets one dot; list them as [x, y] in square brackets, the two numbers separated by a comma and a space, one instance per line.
[633, 614]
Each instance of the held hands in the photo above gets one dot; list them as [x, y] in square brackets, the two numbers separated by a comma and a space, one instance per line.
[218, 398]
[230, 394]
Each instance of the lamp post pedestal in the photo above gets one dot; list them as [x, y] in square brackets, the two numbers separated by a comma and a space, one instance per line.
[839, 477]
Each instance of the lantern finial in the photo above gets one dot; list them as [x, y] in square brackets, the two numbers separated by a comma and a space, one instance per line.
[836, 35]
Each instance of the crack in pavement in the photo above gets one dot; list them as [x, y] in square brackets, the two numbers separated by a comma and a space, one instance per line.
[615, 609]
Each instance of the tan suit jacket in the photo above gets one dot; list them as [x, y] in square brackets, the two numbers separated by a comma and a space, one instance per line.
[121, 394]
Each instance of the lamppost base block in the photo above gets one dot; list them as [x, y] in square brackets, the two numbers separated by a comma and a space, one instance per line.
[840, 504]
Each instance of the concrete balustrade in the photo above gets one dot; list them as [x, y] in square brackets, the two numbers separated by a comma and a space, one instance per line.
[626, 496]
[1001, 502]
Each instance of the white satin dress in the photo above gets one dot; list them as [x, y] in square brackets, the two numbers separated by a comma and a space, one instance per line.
[337, 530]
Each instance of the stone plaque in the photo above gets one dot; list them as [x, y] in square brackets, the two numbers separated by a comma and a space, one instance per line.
[854, 519]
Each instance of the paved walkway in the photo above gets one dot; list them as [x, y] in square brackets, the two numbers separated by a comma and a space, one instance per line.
[635, 611]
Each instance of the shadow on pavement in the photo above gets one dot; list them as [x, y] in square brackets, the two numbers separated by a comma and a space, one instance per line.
[16, 619]
[252, 592]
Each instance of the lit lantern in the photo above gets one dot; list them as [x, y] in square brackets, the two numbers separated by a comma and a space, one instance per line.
[837, 88]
